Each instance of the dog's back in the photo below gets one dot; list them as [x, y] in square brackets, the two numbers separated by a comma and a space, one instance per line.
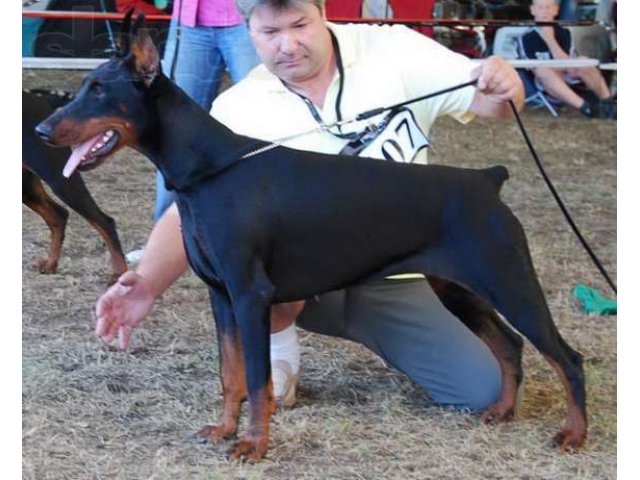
[299, 208]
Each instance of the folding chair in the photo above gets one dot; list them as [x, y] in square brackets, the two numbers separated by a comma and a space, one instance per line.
[506, 44]
[533, 95]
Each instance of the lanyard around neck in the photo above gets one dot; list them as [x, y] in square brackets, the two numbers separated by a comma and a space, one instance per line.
[312, 108]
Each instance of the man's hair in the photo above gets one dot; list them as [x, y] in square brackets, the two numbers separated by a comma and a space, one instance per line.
[245, 7]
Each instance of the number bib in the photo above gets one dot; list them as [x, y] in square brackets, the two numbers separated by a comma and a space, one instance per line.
[397, 137]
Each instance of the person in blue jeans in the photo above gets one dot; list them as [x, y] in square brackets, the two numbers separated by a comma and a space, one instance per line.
[213, 38]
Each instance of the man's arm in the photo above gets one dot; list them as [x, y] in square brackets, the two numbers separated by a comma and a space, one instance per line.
[498, 83]
[164, 259]
[126, 303]
[549, 37]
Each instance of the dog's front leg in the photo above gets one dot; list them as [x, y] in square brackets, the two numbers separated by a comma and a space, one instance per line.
[252, 309]
[232, 373]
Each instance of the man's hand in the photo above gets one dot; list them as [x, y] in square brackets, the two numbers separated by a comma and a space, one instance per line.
[498, 79]
[122, 307]
[498, 83]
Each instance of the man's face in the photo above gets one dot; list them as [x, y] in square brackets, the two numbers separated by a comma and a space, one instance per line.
[544, 10]
[293, 43]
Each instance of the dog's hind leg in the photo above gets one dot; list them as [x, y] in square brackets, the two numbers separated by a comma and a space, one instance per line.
[503, 342]
[527, 311]
[494, 262]
[37, 199]
[486, 251]
[232, 372]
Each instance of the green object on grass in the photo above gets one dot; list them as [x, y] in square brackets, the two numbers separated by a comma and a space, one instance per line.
[593, 301]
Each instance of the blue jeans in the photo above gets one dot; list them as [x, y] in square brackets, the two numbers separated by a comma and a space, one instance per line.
[204, 54]
[568, 10]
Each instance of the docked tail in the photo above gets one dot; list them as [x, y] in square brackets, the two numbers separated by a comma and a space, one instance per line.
[497, 175]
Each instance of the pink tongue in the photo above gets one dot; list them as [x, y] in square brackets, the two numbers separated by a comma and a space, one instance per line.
[77, 153]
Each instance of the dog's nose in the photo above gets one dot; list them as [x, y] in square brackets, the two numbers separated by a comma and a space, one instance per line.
[43, 130]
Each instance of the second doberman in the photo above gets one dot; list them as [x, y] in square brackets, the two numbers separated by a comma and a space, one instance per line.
[41, 163]
[286, 225]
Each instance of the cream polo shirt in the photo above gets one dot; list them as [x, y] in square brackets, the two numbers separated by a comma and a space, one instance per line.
[383, 65]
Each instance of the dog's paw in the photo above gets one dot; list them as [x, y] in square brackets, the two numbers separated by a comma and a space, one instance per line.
[213, 433]
[569, 440]
[47, 266]
[498, 413]
[249, 449]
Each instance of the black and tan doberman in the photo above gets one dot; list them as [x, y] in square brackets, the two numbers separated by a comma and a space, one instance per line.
[43, 163]
[286, 225]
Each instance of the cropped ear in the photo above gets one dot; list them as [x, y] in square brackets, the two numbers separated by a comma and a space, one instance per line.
[145, 56]
[124, 36]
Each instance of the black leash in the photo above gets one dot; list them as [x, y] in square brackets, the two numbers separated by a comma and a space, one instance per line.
[322, 127]
[554, 192]
[377, 111]
[586, 246]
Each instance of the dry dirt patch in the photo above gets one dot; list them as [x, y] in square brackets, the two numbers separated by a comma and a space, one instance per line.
[91, 412]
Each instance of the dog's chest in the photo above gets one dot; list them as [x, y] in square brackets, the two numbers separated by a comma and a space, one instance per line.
[198, 247]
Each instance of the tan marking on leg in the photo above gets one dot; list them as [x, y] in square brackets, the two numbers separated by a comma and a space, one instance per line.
[40, 202]
[253, 446]
[504, 409]
[234, 390]
[574, 433]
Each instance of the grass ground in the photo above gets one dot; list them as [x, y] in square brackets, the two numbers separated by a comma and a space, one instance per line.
[92, 412]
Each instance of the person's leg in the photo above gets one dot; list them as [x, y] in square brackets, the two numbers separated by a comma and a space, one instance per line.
[593, 80]
[405, 324]
[199, 65]
[237, 50]
[568, 10]
[284, 352]
[198, 69]
[328, 312]
[553, 82]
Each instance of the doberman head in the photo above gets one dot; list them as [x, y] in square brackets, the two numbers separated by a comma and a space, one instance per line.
[112, 109]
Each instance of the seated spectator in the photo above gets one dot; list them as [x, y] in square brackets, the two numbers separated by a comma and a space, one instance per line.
[546, 43]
